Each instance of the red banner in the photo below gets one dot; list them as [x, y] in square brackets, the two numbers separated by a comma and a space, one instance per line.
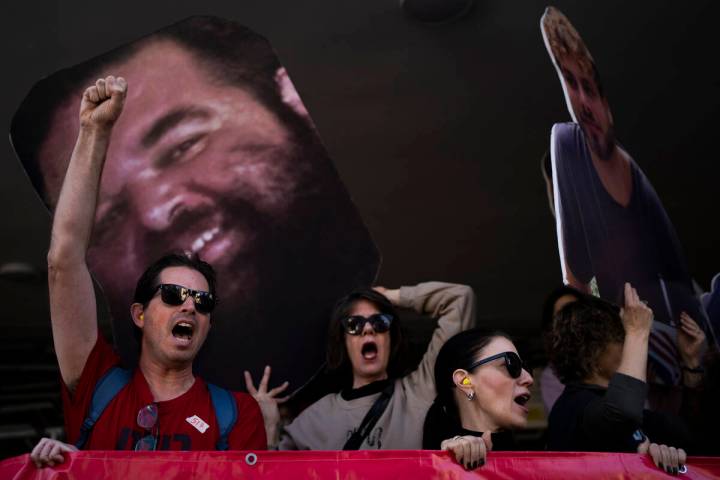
[395, 465]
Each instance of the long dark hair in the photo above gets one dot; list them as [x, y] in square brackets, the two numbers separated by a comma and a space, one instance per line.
[460, 351]
[548, 313]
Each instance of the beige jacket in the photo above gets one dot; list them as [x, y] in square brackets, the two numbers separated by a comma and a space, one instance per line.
[329, 422]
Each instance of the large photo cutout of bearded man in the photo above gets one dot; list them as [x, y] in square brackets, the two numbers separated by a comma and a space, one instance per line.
[216, 156]
[611, 225]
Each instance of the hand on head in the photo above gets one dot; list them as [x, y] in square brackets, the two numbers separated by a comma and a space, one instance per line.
[392, 294]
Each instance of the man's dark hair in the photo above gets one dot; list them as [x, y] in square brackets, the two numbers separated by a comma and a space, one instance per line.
[147, 283]
[150, 279]
[337, 356]
[582, 332]
[230, 53]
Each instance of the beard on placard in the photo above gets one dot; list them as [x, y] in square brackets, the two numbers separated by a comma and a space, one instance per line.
[316, 252]
[237, 275]
[238, 285]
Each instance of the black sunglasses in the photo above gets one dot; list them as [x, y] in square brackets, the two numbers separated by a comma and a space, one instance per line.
[513, 363]
[380, 322]
[176, 295]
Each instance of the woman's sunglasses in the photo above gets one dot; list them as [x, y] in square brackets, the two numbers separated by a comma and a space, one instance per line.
[354, 324]
[513, 363]
[176, 295]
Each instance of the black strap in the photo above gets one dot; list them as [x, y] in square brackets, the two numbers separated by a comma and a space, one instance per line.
[371, 418]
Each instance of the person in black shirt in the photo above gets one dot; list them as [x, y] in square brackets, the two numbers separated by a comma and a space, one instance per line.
[482, 390]
[550, 386]
[600, 353]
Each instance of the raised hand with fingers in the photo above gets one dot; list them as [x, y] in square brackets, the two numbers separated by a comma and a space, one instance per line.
[49, 452]
[636, 315]
[102, 103]
[691, 341]
[268, 401]
[637, 319]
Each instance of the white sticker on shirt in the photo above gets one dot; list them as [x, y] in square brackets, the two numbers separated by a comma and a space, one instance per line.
[198, 423]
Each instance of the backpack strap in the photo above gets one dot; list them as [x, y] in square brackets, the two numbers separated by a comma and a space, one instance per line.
[371, 418]
[106, 389]
[225, 412]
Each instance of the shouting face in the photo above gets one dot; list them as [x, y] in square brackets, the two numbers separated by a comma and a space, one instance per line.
[173, 334]
[500, 399]
[369, 351]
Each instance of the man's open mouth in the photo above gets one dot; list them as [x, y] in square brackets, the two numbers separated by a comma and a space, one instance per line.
[183, 330]
[369, 351]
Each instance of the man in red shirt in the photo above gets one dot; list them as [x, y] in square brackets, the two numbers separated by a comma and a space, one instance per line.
[163, 406]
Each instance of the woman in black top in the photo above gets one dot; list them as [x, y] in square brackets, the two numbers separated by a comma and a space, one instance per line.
[600, 354]
[482, 389]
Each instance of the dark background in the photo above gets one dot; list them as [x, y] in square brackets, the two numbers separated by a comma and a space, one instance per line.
[436, 130]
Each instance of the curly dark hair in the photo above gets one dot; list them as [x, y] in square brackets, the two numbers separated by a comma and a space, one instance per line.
[147, 283]
[581, 333]
[548, 312]
[548, 309]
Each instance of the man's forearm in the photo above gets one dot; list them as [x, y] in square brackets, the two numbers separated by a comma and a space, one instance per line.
[72, 297]
[72, 300]
[75, 210]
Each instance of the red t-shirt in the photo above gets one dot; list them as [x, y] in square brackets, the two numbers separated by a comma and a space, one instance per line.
[184, 423]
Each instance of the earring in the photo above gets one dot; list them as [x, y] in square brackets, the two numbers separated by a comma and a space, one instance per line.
[471, 395]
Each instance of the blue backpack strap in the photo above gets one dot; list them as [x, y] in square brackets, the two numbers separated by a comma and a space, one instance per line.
[106, 389]
[225, 413]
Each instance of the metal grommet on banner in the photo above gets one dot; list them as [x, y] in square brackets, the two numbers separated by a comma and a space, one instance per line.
[251, 459]
[683, 469]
